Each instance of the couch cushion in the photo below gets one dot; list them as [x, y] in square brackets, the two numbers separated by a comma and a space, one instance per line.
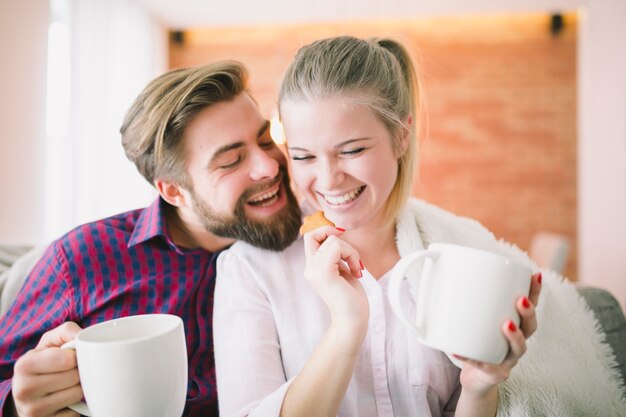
[611, 317]
[12, 279]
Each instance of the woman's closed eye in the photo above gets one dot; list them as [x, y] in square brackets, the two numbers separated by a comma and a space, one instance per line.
[353, 152]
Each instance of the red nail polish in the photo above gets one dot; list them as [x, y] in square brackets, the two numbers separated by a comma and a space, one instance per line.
[512, 326]
[340, 229]
[525, 302]
[539, 278]
[361, 262]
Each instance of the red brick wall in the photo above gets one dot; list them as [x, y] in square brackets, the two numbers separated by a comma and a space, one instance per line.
[501, 95]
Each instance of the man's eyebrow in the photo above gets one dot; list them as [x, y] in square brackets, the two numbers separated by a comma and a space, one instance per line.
[236, 145]
[222, 150]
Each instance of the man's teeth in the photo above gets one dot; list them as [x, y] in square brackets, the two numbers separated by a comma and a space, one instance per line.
[265, 199]
[343, 199]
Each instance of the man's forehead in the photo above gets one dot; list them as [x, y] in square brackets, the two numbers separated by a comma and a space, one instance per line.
[225, 123]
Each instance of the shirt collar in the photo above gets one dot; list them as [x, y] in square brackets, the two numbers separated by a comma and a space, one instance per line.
[150, 224]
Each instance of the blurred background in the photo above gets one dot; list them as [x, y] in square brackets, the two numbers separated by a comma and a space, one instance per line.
[526, 107]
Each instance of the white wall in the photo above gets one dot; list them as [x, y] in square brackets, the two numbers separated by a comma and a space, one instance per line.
[23, 43]
[602, 147]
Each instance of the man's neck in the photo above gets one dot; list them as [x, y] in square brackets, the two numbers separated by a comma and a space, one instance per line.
[192, 235]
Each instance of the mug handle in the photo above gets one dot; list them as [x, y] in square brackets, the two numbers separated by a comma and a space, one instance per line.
[397, 276]
[81, 406]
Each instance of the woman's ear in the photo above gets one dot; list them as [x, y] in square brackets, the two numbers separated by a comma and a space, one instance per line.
[405, 137]
[171, 192]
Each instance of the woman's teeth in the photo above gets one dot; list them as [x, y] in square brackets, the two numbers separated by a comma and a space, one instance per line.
[265, 199]
[343, 199]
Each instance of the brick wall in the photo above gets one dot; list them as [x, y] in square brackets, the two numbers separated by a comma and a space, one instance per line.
[501, 96]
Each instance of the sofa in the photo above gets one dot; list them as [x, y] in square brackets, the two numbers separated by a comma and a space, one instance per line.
[17, 261]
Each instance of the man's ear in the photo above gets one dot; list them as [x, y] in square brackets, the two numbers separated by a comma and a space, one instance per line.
[171, 192]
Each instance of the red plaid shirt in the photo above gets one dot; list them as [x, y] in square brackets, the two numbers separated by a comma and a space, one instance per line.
[123, 265]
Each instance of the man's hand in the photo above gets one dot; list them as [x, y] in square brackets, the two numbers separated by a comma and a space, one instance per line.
[45, 379]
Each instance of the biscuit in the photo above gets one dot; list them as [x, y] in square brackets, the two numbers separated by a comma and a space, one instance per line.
[314, 221]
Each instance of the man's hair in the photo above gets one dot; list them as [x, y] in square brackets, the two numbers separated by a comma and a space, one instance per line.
[152, 131]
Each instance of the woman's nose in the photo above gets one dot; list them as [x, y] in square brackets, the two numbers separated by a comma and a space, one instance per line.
[329, 175]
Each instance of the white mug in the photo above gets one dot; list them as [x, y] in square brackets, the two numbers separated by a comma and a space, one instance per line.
[132, 366]
[464, 295]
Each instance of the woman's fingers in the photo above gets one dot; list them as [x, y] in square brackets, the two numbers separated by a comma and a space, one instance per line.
[336, 251]
[526, 310]
[314, 239]
[325, 240]
[517, 343]
[525, 306]
[535, 288]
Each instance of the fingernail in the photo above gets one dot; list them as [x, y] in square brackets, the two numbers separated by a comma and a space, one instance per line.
[512, 327]
[340, 229]
[361, 262]
[525, 302]
[539, 278]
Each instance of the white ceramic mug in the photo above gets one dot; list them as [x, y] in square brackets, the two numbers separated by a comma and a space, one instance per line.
[132, 366]
[464, 295]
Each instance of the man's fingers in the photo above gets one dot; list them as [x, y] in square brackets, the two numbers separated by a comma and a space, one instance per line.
[59, 335]
[46, 361]
[41, 385]
[54, 404]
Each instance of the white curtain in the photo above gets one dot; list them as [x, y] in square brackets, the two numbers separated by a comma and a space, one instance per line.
[115, 48]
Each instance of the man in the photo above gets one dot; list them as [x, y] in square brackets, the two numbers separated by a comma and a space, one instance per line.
[198, 137]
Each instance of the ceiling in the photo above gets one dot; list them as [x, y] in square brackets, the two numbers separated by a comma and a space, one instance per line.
[182, 14]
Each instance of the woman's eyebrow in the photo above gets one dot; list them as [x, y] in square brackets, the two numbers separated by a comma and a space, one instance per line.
[337, 146]
[350, 141]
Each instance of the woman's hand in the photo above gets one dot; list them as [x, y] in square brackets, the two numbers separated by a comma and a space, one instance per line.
[333, 268]
[478, 378]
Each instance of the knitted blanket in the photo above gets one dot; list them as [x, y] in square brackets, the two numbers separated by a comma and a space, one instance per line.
[568, 368]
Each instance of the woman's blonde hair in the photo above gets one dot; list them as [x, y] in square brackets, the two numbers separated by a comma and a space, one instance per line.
[378, 74]
[153, 128]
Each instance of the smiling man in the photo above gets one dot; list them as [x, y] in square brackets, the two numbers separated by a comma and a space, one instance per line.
[199, 138]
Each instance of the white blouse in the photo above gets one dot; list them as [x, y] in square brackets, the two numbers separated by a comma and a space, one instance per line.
[267, 321]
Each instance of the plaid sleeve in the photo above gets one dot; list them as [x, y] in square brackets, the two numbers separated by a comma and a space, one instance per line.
[42, 304]
[5, 389]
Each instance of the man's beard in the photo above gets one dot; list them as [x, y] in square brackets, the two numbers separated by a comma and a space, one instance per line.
[274, 233]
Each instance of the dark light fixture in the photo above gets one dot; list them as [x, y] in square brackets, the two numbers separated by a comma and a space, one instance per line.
[556, 24]
[177, 37]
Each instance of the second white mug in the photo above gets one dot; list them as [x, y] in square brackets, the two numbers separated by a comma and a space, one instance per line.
[464, 296]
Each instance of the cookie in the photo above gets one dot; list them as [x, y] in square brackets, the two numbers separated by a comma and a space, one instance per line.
[314, 221]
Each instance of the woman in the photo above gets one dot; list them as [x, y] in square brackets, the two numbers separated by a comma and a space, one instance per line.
[309, 331]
